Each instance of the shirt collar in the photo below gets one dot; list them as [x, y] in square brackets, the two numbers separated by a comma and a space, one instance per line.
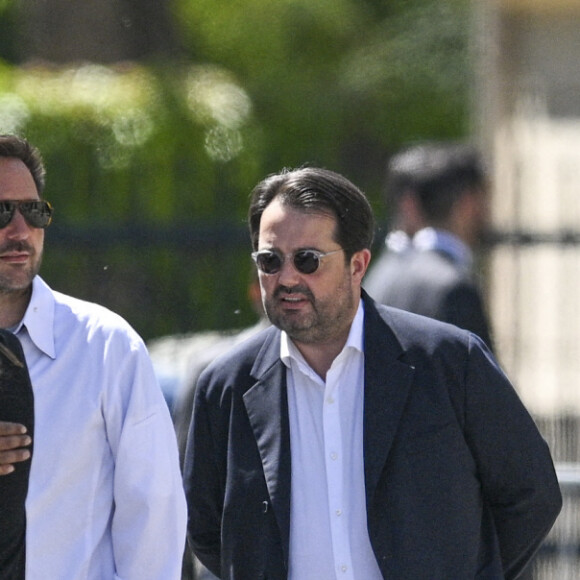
[398, 242]
[446, 242]
[355, 340]
[39, 317]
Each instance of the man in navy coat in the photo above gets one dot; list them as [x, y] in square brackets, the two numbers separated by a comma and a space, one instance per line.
[352, 440]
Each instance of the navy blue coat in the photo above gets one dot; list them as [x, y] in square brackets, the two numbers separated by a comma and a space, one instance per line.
[459, 482]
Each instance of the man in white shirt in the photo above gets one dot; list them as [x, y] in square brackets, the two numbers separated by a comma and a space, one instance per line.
[351, 440]
[105, 498]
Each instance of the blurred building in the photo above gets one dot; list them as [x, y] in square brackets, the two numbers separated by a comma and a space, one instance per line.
[529, 122]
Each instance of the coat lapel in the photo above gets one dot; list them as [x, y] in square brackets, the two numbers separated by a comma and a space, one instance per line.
[267, 407]
[387, 383]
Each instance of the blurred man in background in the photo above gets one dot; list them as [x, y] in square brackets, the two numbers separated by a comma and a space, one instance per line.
[441, 213]
[105, 497]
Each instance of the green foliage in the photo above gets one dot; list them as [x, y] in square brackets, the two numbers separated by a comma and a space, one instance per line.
[341, 82]
[149, 172]
[150, 167]
[133, 143]
[8, 23]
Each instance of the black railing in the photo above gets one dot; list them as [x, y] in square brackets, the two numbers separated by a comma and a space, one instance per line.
[562, 237]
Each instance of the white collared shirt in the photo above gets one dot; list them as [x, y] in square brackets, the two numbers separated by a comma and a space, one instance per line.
[105, 499]
[328, 522]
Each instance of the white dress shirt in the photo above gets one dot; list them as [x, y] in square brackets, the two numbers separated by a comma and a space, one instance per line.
[105, 500]
[328, 522]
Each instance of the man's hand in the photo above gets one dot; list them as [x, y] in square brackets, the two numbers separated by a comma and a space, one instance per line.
[13, 440]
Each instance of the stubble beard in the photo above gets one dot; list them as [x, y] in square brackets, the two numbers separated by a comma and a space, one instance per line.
[20, 280]
[325, 321]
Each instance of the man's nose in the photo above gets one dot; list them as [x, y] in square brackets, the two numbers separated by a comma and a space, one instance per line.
[288, 273]
[17, 228]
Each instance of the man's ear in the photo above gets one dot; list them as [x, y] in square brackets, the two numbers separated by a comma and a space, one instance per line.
[359, 263]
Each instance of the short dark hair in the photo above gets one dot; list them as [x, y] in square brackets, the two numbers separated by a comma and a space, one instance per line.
[20, 148]
[320, 191]
[438, 173]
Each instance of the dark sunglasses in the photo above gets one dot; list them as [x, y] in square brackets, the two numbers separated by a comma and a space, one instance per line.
[37, 213]
[305, 261]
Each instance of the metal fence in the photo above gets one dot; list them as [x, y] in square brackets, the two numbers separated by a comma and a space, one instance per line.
[559, 556]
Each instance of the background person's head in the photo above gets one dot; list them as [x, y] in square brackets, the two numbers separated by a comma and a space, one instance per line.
[446, 182]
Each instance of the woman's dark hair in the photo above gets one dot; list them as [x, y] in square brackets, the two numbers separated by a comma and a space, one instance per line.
[316, 190]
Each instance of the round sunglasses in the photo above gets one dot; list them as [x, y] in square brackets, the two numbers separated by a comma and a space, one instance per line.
[305, 261]
[37, 213]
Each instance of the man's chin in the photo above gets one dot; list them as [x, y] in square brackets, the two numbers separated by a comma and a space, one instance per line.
[15, 285]
[302, 333]
[290, 319]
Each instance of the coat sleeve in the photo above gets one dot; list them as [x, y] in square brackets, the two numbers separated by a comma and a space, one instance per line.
[515, 467]
[204, 487]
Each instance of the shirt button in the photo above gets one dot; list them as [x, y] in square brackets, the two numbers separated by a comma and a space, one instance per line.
[338, 512]
[333, 456]
[330, 400]
[344, 568]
